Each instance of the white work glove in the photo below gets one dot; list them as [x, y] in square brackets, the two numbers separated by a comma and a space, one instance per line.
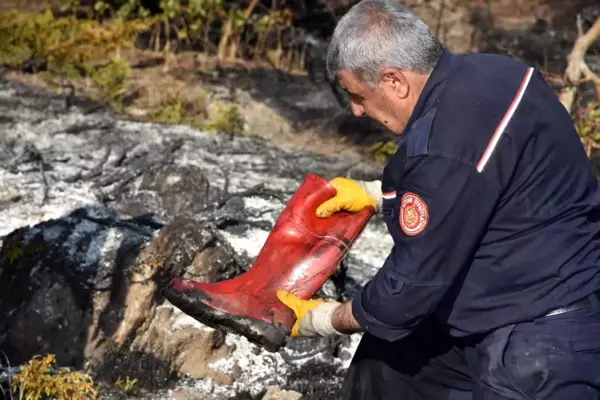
[313, 316]
[373, 188]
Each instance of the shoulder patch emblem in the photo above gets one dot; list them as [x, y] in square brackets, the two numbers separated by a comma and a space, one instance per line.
[414, 215]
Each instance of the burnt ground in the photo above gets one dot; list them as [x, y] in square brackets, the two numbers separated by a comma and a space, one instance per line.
[301, 110]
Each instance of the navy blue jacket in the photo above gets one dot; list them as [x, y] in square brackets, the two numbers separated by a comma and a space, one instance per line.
[492, 204]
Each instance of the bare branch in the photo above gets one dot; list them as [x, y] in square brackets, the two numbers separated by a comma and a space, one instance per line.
[577, 70]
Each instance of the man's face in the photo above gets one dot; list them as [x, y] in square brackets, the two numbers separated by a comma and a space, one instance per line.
[390, 103]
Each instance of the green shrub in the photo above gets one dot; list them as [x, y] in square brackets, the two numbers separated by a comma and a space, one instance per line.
[169, 114]
[227, 119]
[39, 379]
[382, 151]
[587, 122]
[110, 81]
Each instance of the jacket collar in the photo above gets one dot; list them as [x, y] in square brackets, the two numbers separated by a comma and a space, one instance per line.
[438, 76]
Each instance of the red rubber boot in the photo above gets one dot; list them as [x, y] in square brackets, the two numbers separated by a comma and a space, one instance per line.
[300, 254]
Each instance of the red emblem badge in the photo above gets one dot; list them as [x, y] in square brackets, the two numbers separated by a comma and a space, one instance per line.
[414, 215]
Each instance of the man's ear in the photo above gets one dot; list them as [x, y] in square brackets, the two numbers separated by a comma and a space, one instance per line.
[396, 80]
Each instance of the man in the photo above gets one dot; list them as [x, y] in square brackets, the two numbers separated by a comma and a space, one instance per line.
[490, 290]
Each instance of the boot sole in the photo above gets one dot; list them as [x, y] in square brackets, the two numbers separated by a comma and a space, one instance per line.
[268, 336]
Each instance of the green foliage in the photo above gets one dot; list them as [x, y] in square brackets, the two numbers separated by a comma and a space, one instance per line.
[70, 49]
[131, 9]
[40, 379]
[587, 122]
[169, 114]
[205, 10]
[101, 7]
[177, 108]
[192, 20]
[40, 38]
[61, 45]
[201, 15]
[227, 119]
[224, 117]
[111, 81]
[170, 8]
[127, 384]
[275, 18]
[382, 151]
[17, 249]
[86, 53]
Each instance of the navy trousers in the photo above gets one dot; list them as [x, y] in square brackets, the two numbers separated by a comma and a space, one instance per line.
[554, 357]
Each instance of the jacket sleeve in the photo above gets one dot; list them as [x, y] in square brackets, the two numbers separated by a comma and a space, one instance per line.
[437, 219]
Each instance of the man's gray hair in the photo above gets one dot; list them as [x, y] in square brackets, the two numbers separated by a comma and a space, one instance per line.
[376, 34]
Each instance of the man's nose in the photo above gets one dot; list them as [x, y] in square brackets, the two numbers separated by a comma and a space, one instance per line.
[357, 110]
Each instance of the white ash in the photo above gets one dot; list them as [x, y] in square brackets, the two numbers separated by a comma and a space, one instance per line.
[250, 243]
[258, 370]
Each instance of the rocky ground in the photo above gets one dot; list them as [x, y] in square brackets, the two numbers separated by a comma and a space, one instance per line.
[96, 211]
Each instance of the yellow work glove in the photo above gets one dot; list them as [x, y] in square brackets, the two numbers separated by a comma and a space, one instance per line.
[313, 317]
[352, 195]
